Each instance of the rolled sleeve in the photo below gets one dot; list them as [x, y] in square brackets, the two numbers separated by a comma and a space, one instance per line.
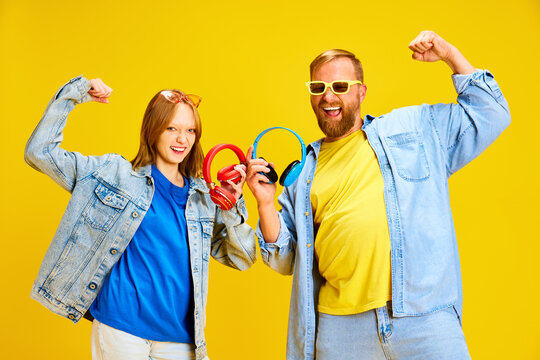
[76, 89]
[483, 79]
[233, 243]
[43, 151]
[282, 240]
[241, 208]
[467, 128]
[278, 255]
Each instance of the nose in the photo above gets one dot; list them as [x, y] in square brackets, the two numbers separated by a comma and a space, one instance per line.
[181, 137]
[329, 95]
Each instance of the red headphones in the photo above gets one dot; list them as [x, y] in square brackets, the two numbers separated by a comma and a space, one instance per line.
[221, 197]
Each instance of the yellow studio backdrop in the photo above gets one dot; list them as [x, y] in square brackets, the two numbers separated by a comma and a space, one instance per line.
[249, 61]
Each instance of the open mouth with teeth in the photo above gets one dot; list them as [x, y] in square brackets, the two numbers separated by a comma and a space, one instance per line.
[178, 149]
[333, 111]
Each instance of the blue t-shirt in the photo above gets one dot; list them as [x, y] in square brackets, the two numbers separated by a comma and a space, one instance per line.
[149, 292]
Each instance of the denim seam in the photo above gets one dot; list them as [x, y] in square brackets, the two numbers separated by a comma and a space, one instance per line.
[311, 300]
[444, 306]
[252, 257]
[387, 322]
[58, 304]
[442, 148]
[54, 131]
[463, 133]
[382, 320]
[81, 268]
[394, 222]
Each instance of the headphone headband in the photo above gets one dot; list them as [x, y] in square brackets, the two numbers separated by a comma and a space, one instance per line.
[213, 152]
[284, 128]
[293, 170]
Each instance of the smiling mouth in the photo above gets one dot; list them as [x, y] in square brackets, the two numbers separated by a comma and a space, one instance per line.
[332, 111]
[178, 149]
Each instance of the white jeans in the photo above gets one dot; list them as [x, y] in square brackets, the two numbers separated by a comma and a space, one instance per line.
[111, 344]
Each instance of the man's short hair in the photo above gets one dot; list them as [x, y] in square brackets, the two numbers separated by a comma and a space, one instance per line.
[332, 54]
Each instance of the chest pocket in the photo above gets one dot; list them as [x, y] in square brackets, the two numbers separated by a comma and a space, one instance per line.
[409, 155]
[103, 209]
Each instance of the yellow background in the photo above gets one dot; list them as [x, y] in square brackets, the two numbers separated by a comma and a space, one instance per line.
[249, 60]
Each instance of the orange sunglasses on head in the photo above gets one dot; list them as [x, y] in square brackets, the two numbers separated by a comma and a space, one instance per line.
[176, 97]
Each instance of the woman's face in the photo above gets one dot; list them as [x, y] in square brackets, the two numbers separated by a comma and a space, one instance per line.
[175, 143]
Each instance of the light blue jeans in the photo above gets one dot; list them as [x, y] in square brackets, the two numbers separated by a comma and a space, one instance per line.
[376, 334]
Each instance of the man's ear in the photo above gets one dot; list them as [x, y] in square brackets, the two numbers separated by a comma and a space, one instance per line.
[362, 93]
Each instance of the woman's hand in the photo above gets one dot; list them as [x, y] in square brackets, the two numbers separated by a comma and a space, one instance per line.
[236, 189]
[99, 91]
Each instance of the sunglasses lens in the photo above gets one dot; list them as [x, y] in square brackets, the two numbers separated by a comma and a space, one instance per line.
[340, 87]
[195, 100]
[171, 96]
[316, 88]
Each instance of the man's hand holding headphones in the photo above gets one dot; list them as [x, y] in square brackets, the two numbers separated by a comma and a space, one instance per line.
[261, 187]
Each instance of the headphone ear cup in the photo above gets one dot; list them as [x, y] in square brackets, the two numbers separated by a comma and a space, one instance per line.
[222, 198]
[272, 174]
[285, 179]
[228, 173]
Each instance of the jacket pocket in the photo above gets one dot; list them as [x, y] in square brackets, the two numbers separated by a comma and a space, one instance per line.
[409, 155]
[207, 233]
[104, 208]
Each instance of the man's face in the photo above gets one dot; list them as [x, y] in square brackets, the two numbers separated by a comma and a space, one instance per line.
[338, 115]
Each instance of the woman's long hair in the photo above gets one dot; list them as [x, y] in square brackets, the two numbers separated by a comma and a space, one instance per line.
[157, 117]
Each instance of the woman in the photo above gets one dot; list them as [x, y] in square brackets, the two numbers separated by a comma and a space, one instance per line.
[133, 246]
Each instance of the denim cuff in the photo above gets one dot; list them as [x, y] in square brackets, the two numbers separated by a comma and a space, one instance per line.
[282, 240]
[461, 81]
[75, 89]
[241, 207]
[237, 214]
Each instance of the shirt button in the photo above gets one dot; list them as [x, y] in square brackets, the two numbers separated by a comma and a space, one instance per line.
[108, 198]
[149, 181]
[113, 251]
[71, 316]
[134, 214]
[308, 181]
[307, 213]
[309, 245]
[92, 286]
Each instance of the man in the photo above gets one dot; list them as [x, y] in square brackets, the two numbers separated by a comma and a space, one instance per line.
[367, 229]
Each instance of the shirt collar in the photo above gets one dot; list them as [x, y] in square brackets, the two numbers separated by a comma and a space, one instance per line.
[143, 171]
[367, 120]
[195, 183]
[315, 147]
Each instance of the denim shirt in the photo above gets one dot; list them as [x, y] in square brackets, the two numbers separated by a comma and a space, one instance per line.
[417, 148]
[108, 202]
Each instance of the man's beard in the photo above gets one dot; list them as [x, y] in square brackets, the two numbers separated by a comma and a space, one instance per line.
[334, 128]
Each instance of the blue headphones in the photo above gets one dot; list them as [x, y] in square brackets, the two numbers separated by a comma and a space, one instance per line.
[293, 170]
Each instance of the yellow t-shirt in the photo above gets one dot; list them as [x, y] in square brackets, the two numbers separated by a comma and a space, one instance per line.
[352, 242]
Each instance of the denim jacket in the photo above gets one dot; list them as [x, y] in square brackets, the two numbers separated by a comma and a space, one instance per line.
[108, 202]
[417, 148]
